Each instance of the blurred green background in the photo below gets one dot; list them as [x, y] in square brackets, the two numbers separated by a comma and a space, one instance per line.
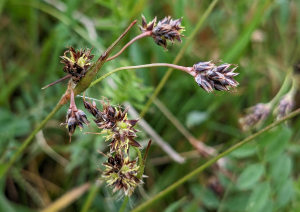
[261, 36]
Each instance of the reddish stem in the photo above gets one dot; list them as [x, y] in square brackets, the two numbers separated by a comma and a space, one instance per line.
[145, 34]
[57, 81]
[72, 102]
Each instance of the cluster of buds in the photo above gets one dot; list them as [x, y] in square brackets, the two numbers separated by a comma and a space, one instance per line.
[78, 63]
[211, 77]
[166, 29]
[74, 117]
[121, 173]
[255, 115]
[115, 124]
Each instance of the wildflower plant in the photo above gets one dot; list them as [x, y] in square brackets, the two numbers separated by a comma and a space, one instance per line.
[122, 173]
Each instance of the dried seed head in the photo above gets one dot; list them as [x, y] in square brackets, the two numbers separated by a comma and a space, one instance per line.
[121, 174]
[115, 124]
[74, 117]
[211, 77]
[78, 63]
[166, 29]
[285, 106]
[255, 115]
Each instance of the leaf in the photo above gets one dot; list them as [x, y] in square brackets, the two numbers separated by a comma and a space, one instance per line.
[206, 196]
[258, 198]
[278, 145]
[235, 203]
[280, 170]
[250, 176]
[285, 194]
[245, 151]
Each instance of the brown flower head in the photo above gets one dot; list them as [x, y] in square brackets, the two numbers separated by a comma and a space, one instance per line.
[285, 106]
[74, 117]
[166, 29]
[211, 77]
[255, 115]
[78, 62]
[115, 124]
[121, 174]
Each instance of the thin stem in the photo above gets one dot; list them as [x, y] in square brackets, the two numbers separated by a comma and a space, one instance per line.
[145, 34]
[81, 87]
[282, 90]
[160, 195]
[146, 152]
[57, 81]
[182, 68]
[124, 204]
[28, 140]
[178, 57]
[91, 196]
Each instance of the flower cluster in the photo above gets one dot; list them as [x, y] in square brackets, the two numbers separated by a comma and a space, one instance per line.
[115, 124]
[74, 117]
[78, 62]
[121, 173]
[285, 106]
[256, 114]
[166, 29]
[211, 77]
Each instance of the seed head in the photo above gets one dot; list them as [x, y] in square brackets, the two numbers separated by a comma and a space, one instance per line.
[166, 29]
[115, 124]
[121, 173]
[78, 62]
[211, 77]
[255, 115]
[285, 106]
[74, 117]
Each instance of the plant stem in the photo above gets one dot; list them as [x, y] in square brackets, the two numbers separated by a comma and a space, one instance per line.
[141, 164]
[124, 204]
[80, 87]
[28, 140]
[160, 195]
[145, 34]
[91, 196]
[57, 81]
[182, 68]
[282, 90]
[178, 57]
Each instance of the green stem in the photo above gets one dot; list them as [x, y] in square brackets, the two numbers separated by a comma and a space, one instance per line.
[178, 57]
[160, 195]
[282, 90]
[80, 87]
[141, 164]
[29, 139]
[124, 204]
[91, 196]
[182, 68]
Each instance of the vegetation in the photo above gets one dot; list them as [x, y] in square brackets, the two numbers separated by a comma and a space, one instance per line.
[208, 152]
